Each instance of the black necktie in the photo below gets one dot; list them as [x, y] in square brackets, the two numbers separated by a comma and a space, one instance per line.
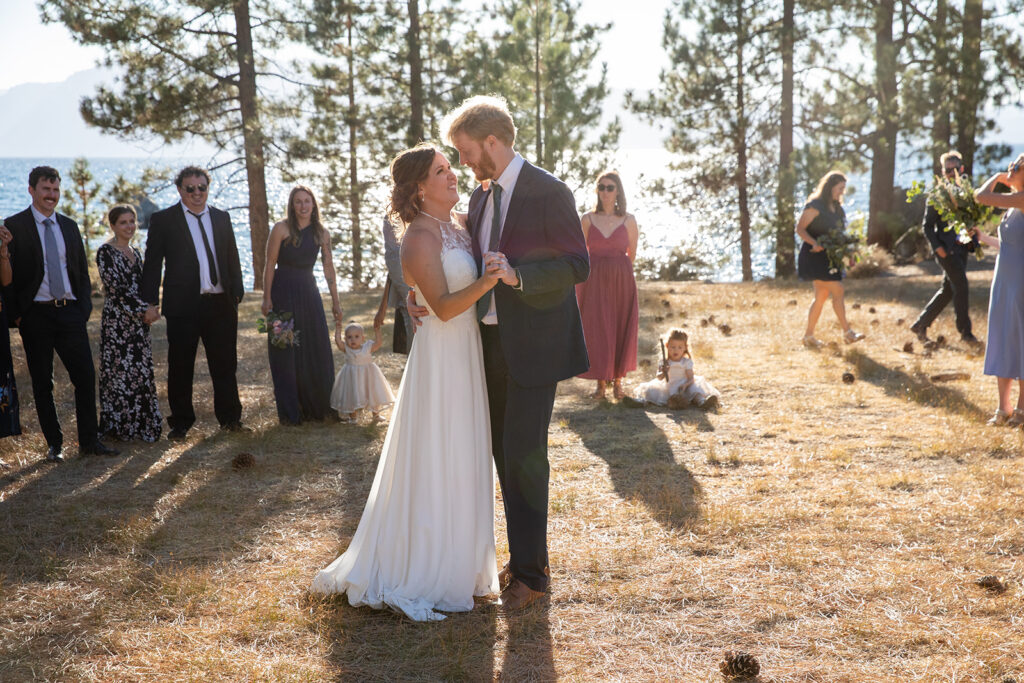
[496, 218]
[209, 252]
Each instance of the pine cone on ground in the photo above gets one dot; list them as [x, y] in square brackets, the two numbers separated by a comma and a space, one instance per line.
[703, 322]
[243, 461]
[856, 306]
[908, 347]
[991, 583]
[848, 378]
[871, 309]
[791, 302]
[739, 666]
[725, 329]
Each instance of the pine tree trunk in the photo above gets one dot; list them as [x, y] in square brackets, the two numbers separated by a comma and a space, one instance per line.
[741, 147]
[883, 145]
[941, 90]
[536, 87]
[353, 165]
[415, 76]
[784, 241]
[969, 90]
[252, 137]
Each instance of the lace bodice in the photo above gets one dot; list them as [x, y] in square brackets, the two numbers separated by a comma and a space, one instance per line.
[457, 260]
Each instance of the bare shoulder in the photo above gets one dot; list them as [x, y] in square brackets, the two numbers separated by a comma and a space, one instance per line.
[421, 238]
[630, 221]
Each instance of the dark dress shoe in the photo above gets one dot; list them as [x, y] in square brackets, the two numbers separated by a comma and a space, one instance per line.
[235, 427]
[98, 448]
[505, 576]
[518, 595]
[177, 434]
[920, 332]
[53, 454]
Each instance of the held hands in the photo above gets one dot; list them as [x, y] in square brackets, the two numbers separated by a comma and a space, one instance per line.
[817, 247]
[151, 315]
[496, 265]
[339, 336]
[940, 252]
[337, 312]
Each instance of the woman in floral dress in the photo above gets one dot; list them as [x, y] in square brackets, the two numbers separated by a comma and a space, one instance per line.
[128, 403]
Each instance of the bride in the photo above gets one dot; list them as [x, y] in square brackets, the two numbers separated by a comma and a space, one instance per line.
[425, 542]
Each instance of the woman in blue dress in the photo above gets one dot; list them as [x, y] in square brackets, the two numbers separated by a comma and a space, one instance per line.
[823, 214]
[1004, 356]
[303, 373]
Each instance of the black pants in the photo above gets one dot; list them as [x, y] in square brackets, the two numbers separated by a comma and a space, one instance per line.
[954, 288]
[519, 440]
[47, 329]
[216, 323]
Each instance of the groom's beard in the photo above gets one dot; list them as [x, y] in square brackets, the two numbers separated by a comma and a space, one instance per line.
[485, 167]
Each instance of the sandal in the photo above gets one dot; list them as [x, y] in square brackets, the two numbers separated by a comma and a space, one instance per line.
[1016, 419]
[810, 342]
[998, 419]
[850, 336]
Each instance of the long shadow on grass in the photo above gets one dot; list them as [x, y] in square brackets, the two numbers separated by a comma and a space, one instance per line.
[640, 460]
[920, 390]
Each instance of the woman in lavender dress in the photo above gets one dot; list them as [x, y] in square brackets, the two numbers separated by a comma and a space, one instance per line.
[1004, 356]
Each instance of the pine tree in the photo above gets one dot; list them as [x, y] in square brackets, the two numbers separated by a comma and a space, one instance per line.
[85, 191]
[188, 70]
[717, 99]
[539, 60]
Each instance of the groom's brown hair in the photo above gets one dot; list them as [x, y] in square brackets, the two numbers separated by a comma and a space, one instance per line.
[479, 117]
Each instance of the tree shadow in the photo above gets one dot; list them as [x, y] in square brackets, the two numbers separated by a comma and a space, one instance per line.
[919, 389]
[641, 463]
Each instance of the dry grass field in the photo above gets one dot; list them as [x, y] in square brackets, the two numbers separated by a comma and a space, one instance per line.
[834, 530]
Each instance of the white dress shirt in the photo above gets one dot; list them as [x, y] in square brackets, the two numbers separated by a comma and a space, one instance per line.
[507, 180]
[205, 284]
[62, 249]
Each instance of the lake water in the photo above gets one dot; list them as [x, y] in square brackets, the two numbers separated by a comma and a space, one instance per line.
[662, 225]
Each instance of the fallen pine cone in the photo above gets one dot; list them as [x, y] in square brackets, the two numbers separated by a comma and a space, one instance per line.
[940, 340]
[243, 461]
[669, 314]
[949, 376]
[755, 304]
[703, 322]
[739, 665]
[791, 302]
[991, 583]
[908, 347]
[899, 322]
[658, 318]
[848, 378]
[711, 319]
[856, 306]
[666, 303]
[672, 290]
[725, 329]
[871, 309]
[875, 321]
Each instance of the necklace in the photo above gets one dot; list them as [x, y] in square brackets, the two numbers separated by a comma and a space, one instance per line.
[436, 218]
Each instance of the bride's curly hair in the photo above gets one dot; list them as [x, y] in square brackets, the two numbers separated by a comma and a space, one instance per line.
[410, 168]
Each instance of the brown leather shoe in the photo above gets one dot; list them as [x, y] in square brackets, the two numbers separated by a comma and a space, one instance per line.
[505, 576]
[518, 595]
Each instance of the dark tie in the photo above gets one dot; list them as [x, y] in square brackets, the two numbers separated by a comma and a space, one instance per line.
[483, 304]
[54, 271]
[492, 244]
[209, 252]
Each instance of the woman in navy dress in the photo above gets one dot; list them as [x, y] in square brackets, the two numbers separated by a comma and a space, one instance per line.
[303, 373]
[823, 214]
[10, 423]
[1004, 355]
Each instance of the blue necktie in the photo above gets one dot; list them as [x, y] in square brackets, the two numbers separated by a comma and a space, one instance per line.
[54, 270]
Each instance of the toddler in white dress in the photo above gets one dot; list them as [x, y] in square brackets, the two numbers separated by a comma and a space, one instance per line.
[360, 383]
[676, 386]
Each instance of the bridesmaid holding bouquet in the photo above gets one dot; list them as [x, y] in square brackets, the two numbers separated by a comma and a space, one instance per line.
[303, 372]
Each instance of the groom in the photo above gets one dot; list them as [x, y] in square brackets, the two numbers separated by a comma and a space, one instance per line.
[529, 325]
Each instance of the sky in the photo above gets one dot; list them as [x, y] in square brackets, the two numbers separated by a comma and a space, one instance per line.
[633, 61]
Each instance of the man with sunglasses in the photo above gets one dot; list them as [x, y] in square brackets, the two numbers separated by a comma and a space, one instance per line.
[191, 246]
[951, 255]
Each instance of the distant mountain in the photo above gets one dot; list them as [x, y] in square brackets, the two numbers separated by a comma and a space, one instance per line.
[41, 120]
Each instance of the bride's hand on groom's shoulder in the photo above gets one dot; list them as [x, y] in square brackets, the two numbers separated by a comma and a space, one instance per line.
[462, 219]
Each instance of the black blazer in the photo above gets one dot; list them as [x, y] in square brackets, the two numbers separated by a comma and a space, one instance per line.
[26, 251]
[170, 240]
[540, 327]
[938, 236]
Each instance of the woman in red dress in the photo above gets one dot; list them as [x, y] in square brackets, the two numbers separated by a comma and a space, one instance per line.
[608, 299]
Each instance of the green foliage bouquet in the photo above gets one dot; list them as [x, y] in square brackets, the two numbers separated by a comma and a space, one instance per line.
[280, 328]
[840, 247]
[953, 199]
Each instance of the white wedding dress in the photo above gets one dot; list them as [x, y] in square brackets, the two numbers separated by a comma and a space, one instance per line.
[425, 542]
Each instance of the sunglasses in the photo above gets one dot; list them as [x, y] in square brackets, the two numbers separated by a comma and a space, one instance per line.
[605, 188]
[195, 188]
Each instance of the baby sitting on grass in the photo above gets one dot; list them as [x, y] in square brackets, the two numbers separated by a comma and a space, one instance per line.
[676, 386]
